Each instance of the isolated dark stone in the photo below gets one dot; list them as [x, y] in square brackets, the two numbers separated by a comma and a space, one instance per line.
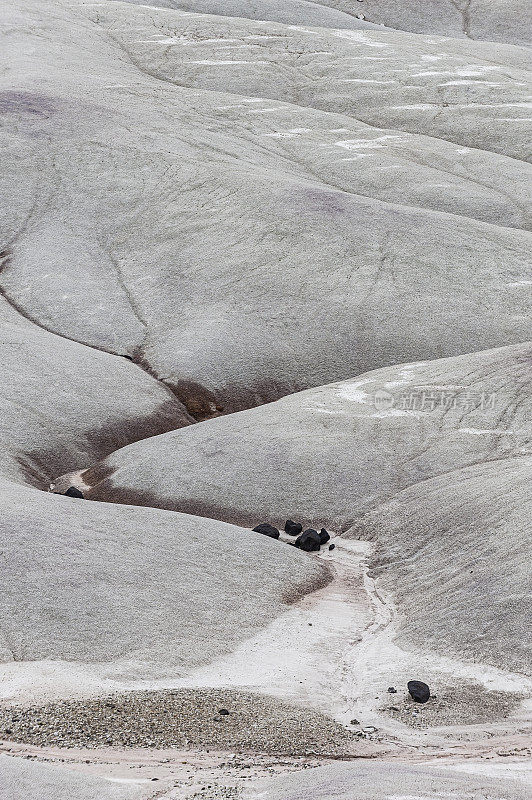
[324, 536]
[355, 722]
[309, 541]
[293, 528]
[392, 690]
[73, 492]
[267, 530]
[332, 546]
[419, 691]
[223, 712]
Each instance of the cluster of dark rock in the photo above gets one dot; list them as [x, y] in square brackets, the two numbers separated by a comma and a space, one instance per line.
[73, 492]
[308, 540]
[418, 691]
[267, 530]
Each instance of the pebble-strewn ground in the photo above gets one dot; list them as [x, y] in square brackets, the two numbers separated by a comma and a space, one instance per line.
[180, 718]
[458, 705]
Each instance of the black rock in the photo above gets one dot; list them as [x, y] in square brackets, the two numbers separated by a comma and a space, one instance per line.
[332, 546]
[324, 536]
[392, 690]
[419, 691]
[309, 541]
[73, 492]
[223, 712]
[267, 530]
[355, 722]
[293, 528]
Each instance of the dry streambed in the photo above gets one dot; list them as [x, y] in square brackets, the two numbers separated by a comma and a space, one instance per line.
[327, 662]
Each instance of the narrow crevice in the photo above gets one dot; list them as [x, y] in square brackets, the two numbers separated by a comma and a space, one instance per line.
[5, 259]
[198, 403]
[465, 12]
[135, 307]
[136, 358]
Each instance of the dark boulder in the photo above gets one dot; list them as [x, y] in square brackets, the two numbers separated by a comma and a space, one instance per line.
[324, 536]
[392, 690]
[267, 530]
[293, 528]
[332, 546]
[309, 541]
[418, 691]
[73, 492]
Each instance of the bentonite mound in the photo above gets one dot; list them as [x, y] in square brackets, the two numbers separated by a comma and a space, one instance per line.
[374, 211]
[461, 542]
[289, 12]
[61, 403]
[27, 780]
[330, 453]
[123, 576]
[382, 782]
[314, 213]
[446, 440]
[494, 20]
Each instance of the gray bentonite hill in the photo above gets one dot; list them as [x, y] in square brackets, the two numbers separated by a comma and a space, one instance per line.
[265, 263]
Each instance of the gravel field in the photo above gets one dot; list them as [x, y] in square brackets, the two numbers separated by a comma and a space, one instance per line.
[454, 705]
[179, 718]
